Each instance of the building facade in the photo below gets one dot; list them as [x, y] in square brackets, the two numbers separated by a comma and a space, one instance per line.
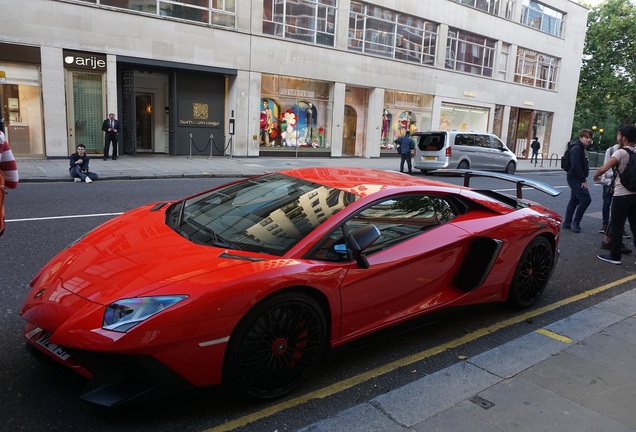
[251, 78]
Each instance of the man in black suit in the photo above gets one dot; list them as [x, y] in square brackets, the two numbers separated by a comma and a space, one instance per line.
[110, 128]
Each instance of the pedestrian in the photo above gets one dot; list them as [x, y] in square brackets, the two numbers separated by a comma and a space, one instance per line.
[111, 129]
[9, 170]
[580, 197]
[607, 181]
[78, 168]
[535, 146]
[407, 145]
[624, 201]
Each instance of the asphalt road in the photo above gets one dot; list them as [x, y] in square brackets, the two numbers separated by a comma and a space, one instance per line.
[45, 217]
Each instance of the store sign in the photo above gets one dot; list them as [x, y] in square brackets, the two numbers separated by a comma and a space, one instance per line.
[297, 93]
[199, 117]
[85, 61]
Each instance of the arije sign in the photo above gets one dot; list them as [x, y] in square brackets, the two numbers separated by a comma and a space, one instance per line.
[84, 61]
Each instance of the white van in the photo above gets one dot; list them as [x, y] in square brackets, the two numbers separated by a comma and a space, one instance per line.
[463, 150]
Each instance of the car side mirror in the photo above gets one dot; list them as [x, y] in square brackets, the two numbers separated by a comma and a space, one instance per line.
[359, 240]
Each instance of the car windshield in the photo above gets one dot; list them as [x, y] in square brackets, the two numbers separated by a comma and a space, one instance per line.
[268, 214]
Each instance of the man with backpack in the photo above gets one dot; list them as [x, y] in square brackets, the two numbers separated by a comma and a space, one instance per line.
[578, 170]
[624, 199]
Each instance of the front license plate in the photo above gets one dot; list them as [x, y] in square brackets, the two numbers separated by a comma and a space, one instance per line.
[57, 351]
[431, 158]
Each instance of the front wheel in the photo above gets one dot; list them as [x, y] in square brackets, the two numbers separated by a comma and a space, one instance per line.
[276, 346]
[511, 168]
[532, 274]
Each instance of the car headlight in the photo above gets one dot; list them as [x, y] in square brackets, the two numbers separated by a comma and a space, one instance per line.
[123, 314]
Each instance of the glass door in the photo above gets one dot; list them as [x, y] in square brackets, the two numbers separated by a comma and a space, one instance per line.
[87, 112]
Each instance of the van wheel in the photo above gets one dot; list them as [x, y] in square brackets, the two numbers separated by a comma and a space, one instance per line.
[463, 165]
[511, 168]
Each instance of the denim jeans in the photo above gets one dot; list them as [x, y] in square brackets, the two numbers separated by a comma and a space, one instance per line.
[623, 208]
[607, 201]
[76, 172]
[405, 157]
[579, 201]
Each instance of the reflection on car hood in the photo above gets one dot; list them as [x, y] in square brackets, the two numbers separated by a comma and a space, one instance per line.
[133, 255]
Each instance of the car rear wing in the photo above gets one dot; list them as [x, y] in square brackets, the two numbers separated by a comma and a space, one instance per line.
[519, 181]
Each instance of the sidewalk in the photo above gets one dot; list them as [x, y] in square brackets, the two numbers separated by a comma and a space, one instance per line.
[164, 166]
[578, 374]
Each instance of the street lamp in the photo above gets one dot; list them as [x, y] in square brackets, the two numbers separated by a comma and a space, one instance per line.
[600, 136]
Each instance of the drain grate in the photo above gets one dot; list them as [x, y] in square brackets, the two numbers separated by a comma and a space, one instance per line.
[484, 403]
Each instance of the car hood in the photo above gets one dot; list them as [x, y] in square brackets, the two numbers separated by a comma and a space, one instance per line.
[135, 254]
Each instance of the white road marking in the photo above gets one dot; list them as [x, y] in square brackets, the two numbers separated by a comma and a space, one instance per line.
[63, 217]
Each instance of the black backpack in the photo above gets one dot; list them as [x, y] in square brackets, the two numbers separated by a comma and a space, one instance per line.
[566, 163]
[628, 176]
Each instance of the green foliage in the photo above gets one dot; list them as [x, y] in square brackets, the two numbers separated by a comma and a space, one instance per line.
[607, 86]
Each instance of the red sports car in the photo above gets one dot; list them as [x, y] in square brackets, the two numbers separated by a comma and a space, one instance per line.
[251, 283]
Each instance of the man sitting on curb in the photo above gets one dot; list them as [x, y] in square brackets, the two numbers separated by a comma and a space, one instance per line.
[79, 166]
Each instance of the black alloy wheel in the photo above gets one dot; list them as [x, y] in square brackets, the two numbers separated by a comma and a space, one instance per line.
[532, 274]
[276, 346]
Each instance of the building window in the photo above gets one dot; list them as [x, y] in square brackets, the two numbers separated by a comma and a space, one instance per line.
[383, 32]
[536, 69]
[503, 61]
[213, 12]
[488, 6]
[471, 53]
[312, 21]
[542, 17]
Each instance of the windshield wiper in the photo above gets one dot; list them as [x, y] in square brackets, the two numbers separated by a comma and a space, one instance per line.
[218, 240]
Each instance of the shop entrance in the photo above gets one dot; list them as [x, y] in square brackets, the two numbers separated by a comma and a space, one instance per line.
[349, 131]
[86, 110]
[143, 109]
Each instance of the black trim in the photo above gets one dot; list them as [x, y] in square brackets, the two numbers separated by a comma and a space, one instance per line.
[135, 61]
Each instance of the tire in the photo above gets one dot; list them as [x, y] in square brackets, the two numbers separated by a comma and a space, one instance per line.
[532, 274]
[276, 346]
[463, 165]
[511, 168]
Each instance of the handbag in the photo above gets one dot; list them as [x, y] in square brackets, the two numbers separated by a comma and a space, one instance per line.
[3, 194]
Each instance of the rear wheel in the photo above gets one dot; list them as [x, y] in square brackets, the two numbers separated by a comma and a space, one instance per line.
[276, 346]
[463, 165]
[511, 168]
[532, 274]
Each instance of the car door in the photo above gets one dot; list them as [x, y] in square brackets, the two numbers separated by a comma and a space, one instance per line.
[411, 264]
[500, 154]
[487, 155]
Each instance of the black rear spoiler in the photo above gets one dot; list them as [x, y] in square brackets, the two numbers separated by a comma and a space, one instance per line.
[519, 181]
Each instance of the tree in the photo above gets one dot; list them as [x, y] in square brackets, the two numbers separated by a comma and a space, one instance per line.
[607, 86]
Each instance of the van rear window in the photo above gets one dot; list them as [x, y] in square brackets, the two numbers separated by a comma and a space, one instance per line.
[430, 142]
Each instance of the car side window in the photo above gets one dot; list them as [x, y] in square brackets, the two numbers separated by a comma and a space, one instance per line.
[398, 219]
[464, 140]
[482, 141]
[497, 143]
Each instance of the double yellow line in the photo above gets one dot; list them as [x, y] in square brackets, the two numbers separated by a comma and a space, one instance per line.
[361, 378]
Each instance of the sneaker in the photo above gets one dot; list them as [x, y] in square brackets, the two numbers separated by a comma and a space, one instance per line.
[77, 179]
[576, 228]
[603, 230]
[88, 180]
[625, 235]
[610, 259]
[566, 226]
